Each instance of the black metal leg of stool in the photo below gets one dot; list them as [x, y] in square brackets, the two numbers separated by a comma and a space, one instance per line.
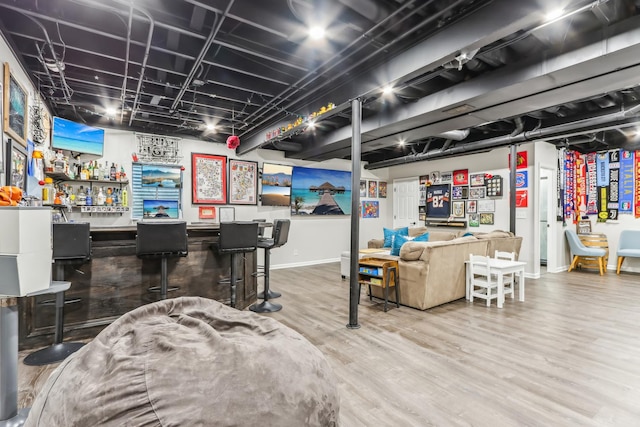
[232, 280]
[164, 279]
[266, 306]
[270, 294]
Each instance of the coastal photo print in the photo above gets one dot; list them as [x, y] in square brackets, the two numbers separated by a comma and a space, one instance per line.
[320, 192]
[161, 176]
[276, 185]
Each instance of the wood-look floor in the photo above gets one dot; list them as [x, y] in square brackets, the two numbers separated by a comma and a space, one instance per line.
[567, 356]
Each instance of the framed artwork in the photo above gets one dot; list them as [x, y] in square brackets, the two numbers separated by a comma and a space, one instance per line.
[422, 179]
[486, 218]
[474, 220]
[522, 198]
[363, 188]
[494, 186]
[321, 192]
[522, 161]
[276, 185]
[476, 180]
[461, 177]
[457, 210]
[373, 189]
[209, 179]
[460, 193]
[446, 177]
[472, 206]
[243, 182]
[522, 179]
[15, 108]
[162, 176]
[382, 189]
[207, 212]
[486, 205]
[438, 201]
[370, 209]
[1, 132]
[477, 192]
[227, 214]
[434, 177]
[16, 170]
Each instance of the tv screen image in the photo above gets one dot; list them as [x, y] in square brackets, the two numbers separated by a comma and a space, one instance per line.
[77, 137]
[160, 209]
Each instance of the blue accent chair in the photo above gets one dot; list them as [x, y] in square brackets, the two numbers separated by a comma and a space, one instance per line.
[628, 246]
[578, 250]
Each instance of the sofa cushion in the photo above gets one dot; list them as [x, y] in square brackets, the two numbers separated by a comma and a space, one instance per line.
[439, 235]
[390, 234]
[401, 240]
[417, 231]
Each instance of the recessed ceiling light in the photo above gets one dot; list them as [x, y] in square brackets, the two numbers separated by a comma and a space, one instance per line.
[387, 90]
[110, 111]
[402, 141]
[554, 14]
[312, 125]
[316, 33]
[211, 127]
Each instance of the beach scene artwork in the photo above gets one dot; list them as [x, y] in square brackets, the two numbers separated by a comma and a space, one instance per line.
[276, 185]
[320, 192]
[160, 209]
[161, 176]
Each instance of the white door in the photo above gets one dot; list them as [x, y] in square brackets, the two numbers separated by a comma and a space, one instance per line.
[405, 202]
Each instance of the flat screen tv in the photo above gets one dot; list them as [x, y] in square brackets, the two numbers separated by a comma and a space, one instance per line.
[77, 137]
[160, 209]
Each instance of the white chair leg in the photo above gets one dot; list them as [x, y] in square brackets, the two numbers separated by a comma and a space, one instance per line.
[488, 296]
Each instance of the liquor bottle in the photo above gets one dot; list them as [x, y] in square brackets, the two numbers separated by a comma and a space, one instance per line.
[109, 200]
[81, 198]
[101, 197]
[72, 196]
[123, 175]
[105, 171]
[112, 172]
[116, 197]
[89, 198]
[117, 173]
[125, 197]
[96, 170]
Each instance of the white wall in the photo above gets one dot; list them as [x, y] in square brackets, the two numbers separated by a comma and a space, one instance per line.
[312, 239]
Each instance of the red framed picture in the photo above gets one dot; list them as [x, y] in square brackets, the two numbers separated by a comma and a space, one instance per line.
[461, 177]
[207, 212]
[208, 179]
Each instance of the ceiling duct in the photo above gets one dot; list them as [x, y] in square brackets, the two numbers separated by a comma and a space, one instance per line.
[565, 130]
[456, 135]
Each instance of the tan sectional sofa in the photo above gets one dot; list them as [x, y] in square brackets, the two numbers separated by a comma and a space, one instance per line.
[433, 272]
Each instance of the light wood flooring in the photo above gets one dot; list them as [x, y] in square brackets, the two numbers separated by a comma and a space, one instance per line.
[567, 356]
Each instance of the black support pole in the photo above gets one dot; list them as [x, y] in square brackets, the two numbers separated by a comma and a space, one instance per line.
[354, 287]
[512, 188]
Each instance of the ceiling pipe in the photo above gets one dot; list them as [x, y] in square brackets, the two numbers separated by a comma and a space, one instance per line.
[126, 65]
[200, 58]
[340, 57]
[446, 145]
[565, 130]
[456, 134]
[519, 126]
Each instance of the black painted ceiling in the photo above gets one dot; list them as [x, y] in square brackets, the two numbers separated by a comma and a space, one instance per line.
[247, 66]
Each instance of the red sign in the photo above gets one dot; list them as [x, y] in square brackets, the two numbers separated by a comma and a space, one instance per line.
[521, 160]
[461, 177]
[522, 198]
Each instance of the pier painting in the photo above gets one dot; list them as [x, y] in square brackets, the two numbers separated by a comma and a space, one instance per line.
[320, 192]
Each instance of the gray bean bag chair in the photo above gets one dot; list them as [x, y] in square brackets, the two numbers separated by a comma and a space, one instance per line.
[191, 362]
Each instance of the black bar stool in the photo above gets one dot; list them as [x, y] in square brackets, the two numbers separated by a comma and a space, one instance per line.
[260, 273]
[280, 236]
[71, 245]
[236, 238]
[162, 239]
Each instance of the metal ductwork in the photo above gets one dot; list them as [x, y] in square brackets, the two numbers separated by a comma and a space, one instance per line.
[287, 146]
[565, 130]
[456, 135]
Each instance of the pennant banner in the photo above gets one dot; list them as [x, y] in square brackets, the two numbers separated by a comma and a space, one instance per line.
[602, 171]
[636, 200]
[592, 186]
[570, 184]
[627, 182]
[560, 185]
[614, 184]
[580, 202]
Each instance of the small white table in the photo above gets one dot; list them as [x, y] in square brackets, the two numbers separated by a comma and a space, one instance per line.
[500, 267]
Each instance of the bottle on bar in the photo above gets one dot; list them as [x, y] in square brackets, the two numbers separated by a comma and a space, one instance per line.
[125, 197]
[112, 172]
[89, 197]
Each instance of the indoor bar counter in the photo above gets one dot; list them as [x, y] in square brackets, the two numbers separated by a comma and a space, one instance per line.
[115, 280]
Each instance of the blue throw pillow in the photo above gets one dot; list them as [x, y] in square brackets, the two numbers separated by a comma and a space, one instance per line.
[422, 238]
[398, 241]
[468, 233]
[389, 235]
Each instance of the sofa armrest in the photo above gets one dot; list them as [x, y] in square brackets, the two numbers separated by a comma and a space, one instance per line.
[375, 243]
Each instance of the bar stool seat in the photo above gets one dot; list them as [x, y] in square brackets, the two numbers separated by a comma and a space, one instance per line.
[71, 245]
[236, 238]
[162, 239]
[280, 236]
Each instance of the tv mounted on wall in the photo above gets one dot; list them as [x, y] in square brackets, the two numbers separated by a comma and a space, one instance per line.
[77, 137]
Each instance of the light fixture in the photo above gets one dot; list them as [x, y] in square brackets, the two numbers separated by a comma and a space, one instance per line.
[401, 141]
[312, 125]
[211, 127]
[54, 66]
[316, 33]
[110, 111]
[387, 90]
[554, 14]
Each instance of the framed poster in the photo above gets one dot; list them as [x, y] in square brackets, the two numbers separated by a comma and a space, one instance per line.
[494, 186]
[446, 177]
[276, 185]
[486, 205]
[15, 108]
[477, 192]
[243, 182]
[461, 177]
[382, 189]
[227, 214]
[472, 206]
[457, 210]
[363, 188]
[438, 201]
[373, 189]
[1, 132]
[460, 193]
[522, 198]
[474, 220]
[16, 170]
[434, 177]
[486, 218]
[370, 209]
[476, 180]
[208, 179]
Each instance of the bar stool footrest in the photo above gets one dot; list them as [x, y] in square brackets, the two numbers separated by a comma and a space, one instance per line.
[53, 354]
[157, 289]
[271, 294]
[265, 307]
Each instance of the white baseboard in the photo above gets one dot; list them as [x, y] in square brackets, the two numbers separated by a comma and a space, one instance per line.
[304, 263]
[531, 276]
